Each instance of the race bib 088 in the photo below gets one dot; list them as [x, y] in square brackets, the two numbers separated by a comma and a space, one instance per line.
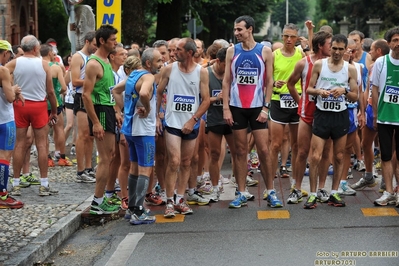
[183, 103]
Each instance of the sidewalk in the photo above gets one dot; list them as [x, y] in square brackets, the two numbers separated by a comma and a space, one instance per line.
[30, 234]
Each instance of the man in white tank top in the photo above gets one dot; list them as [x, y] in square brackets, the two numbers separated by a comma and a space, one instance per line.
[33, 75]
[84, 143]
[187, 100]
[332, 82]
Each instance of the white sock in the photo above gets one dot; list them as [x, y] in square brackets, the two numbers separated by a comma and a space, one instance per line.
[199, 178]
[191, 191]
[16, 182]
[44, 182]
[98, 200]
[178, 197]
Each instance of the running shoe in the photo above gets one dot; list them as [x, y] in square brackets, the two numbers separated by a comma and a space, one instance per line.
[125, 203]
[197, 198]
[206, 188]
[335, 200]
[115, 200]
[225, 180]
[386, 199]
[273, 201]
[169, 210]
[311, 203]
[153, 199]
[322, 195]
[246, 193]
[90, 173]
[47, 191]
[240, 200]
[73, 150]
[50, 162]
[294, 197]
[214, 196]
[349, 175]
[8, 202]
[363, 183]
[233, 181]
[128, 214]
[64, 162]
[253, 161]
[182, 207]
[32, 179]
[104, 208]
[251, 182]
[344, 189]
[144, 218]
[330, 170]
[306, 171]
[304, 192]
[378, 165]
[284, 172]
[15, 191]
[162, 193]
[84, 178]
[206, 177]
[360, 166]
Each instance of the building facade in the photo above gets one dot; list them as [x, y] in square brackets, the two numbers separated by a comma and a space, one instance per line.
[18, 18]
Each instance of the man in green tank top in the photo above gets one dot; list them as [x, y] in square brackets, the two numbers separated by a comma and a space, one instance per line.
[100, 109]
[385, 96]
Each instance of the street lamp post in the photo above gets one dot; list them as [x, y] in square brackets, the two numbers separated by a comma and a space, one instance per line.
[286, 12]
[3, 22]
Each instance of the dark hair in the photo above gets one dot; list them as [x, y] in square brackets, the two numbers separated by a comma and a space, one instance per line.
[90, 36]
[320, 38]
[383, 45]
[190, 45]
[361, 35]
[65, 59]
[45, 49]
[390, 33]
[221, 54]
[104, 32]
[212, 50]
[249, 22]
[340, 38]
[15, 48]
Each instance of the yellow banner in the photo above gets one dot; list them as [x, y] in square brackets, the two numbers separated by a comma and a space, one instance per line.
[109, 12]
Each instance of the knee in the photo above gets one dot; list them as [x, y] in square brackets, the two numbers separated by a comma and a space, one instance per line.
[275, 146]
[315, 158]
[339, 157]
[215, 155]
[303, 153]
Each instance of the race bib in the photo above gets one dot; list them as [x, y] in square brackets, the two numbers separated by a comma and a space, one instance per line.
[391, 94]
[286, 101]
[183, 103]
[215, 94]
[247, 76]
[111, 96]
[332, 104]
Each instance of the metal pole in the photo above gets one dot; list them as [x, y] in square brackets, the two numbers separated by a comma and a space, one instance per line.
[3, 27]
[195, 29]
[72, 29]
[286, 12]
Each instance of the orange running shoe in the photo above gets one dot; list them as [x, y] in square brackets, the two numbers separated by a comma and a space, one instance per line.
[50, 162]
[64, 162]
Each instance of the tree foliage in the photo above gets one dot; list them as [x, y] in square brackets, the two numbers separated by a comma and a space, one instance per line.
[53, 24]
[297, 11]
[358, 12]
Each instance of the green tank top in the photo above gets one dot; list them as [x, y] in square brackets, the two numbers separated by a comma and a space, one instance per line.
[388, 102]
[57, 90]
[282, 70]
[101, 94]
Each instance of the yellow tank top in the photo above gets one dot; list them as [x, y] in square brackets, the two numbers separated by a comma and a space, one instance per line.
[283, 67]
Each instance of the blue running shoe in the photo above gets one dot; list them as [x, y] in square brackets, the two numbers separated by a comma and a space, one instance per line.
[307, 171]
[239, 201]
[273, 201]
[330, 170]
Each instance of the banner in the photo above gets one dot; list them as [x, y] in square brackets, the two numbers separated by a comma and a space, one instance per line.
[109, 12]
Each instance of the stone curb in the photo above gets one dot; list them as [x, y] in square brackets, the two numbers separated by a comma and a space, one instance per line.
[45, 244]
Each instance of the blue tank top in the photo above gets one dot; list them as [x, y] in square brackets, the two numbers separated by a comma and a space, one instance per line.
[365, 73]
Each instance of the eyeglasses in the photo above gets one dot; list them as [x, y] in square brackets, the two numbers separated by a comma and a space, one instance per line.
[337, 48]
[290, 36]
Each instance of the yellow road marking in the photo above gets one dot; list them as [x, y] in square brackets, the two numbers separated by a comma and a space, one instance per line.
[179, 218]
[379, 212]
[275, 214]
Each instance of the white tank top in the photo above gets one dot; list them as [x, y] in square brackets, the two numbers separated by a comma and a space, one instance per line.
[79, 89]
[183, 96]
[329, 80]
[31, 77]
[6, 109]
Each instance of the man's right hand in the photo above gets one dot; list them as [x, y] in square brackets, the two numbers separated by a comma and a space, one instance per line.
[228, 117]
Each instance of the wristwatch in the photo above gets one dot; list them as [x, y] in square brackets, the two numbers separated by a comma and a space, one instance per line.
[347, 90]
[267, 105]
[195, 118]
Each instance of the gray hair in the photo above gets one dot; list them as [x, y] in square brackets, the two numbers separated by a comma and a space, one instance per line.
[291, 26]
[29, 42]
[222, 42]
[148, 55]
[160, 43]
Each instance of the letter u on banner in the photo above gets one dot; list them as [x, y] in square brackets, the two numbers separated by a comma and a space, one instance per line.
[109, 12]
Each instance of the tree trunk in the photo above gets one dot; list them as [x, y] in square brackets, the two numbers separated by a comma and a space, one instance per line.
[169, 20]
[133, 22]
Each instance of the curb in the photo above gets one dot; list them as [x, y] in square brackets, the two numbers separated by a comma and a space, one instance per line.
[45, 244]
